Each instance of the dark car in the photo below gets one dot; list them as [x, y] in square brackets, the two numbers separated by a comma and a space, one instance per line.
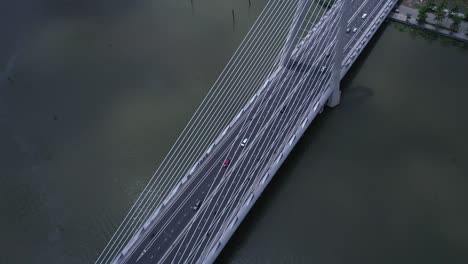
[197, 205]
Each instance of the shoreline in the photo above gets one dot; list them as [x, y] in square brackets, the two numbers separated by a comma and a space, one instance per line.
[401, 17]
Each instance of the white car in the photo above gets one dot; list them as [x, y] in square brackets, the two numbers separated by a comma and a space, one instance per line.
[364, 16]
[244, 142]
[323, 69]
[354, 30]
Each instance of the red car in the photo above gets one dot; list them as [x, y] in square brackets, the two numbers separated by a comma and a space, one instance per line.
[226, 163]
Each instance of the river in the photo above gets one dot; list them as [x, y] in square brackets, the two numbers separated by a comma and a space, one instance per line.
[93, 93]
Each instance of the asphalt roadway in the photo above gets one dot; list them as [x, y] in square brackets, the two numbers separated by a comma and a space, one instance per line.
[359, 8]
[184, 234]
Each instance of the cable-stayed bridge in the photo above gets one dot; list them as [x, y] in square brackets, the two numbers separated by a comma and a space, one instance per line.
[285, 71]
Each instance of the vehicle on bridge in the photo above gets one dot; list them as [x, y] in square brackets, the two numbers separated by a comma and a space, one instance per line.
[244, 142]
[197, 205]
[226, 163]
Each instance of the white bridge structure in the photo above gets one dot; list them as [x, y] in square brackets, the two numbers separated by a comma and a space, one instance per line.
[286, 70]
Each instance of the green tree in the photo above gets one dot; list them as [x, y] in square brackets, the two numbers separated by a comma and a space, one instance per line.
[426, 7]
[456, 21]
[429, 4]
[422, 16]
[440, 13]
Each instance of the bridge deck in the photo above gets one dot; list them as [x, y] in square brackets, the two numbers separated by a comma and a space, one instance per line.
[180, 233]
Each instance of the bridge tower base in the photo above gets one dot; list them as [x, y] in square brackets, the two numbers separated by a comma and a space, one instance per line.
[334, 99]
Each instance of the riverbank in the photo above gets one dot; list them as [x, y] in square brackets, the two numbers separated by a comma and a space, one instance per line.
[407, 15]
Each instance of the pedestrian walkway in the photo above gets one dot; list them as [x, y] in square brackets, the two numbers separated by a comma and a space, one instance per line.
[402, 17]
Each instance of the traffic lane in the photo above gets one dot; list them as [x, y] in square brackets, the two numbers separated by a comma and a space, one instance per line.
[247, 179]
[194, 198]
[370, 9]
[248, 134]
[244, 180]
[220, 160]
[360, 23]
[292, 85]
[205, 240]
[367, 8]
[241, 180]
[311, 97]
[179, 218]
[352, 43]
[236, 144]
[361, 5]
[254, 111]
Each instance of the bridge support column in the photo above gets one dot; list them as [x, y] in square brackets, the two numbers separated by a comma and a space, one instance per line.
[334, 98]
[342, 15]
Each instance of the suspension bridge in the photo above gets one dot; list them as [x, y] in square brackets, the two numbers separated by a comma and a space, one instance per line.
[286, 70]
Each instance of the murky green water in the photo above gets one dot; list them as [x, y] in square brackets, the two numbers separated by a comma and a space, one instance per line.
[92, 94]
